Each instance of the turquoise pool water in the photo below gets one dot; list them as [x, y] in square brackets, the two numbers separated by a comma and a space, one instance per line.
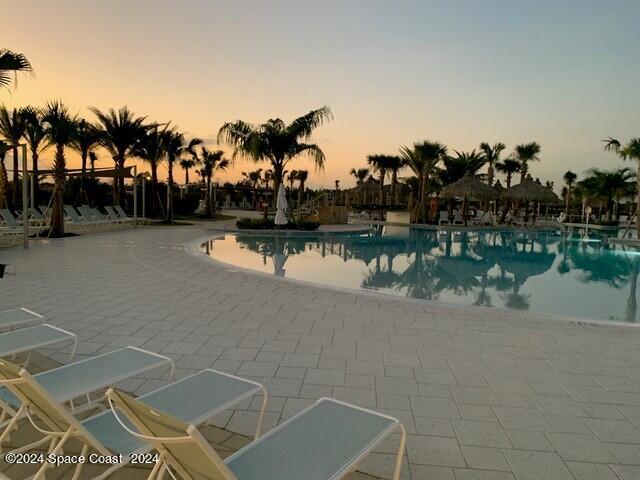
[544, 272]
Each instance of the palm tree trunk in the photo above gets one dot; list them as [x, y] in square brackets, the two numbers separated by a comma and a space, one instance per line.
[16, 177]
[490, 174]
[567, 200]
[154, 190]
[524, 168]
[300, 192]
[170, 192]
[394, 181]
[116, 197]
[207, 199]
[83, 173]
[34, 167]
[4, 183]
[57, 213]
[121, 191]
[383, 173]
[186, 176]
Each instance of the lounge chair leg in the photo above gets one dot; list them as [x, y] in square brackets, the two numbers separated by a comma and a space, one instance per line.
[265, 399]
[40, 474]
[156, 468]
[400, 455]
[11, 425]
[75, 346]
[78, 469]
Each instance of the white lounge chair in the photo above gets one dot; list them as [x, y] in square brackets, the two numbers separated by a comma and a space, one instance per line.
[326, 441]
[123, 215]
[32, 338]
[117, 218]
[18, 317]
[194, 399]
[457, 218]
[444, 218]
[82, 378]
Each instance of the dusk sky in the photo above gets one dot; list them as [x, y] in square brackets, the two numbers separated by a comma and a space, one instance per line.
[563, 73]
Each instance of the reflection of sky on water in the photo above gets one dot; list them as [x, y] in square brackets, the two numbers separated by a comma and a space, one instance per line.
[542, 272]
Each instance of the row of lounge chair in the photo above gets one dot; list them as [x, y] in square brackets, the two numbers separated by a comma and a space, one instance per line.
[326, 441]
[84, 218]
[481, 218]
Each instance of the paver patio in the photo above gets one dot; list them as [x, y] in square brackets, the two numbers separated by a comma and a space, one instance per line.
[483, 393]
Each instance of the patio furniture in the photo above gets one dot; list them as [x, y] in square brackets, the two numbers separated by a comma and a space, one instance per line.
[326, 441]
[82, 378]
[444, 218]
[116, 217]
[122, 214]
[458, 219]
[194, 399]
[18, 317]
[32, 338]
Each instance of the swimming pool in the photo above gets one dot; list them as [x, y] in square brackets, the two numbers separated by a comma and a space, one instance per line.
[539, 271]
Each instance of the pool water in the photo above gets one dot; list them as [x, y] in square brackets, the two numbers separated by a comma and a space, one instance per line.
[543, 272]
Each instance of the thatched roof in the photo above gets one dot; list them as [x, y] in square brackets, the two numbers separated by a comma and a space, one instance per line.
[470, 187]
[529, 190]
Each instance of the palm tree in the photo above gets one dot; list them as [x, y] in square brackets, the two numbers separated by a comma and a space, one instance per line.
[395, 164]
[360, 176]
[61, 130]
[463, 163]
[174, 145]
[508, 166]
[10, 64]
[150, 147]
[212, 161]
[569, 180]
[93, 158]
[492, 157]
[381, 164]
[4, 180]
[121, 130]
[275, 141]
[87, 137]
[187, 164]
[423, 160]
[291, 178]
[610, 186]
[302, 177]
[630, 151]
[35, 135]
[12, 127]
[525, 153]
[253, 178]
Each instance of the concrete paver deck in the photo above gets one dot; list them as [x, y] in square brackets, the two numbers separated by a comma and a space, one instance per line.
[483, 393]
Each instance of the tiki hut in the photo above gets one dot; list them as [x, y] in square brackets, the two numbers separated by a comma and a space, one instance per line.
[530, 191]
[469, 187]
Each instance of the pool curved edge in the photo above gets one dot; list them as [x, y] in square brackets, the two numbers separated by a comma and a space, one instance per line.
[192, 248]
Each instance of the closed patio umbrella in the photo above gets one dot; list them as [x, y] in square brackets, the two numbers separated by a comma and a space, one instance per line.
[281, 207]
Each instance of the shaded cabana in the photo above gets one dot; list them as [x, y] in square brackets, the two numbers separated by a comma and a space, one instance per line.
[531, 191]
[468, 187]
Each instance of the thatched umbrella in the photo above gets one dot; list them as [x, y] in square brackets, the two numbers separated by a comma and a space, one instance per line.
[530, 191]
[468, 187]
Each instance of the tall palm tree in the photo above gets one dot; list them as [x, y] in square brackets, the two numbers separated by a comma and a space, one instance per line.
[174, 144]
[12, 127]
[360, 175]
[570, 180]
[187, 164]
[525, 153]
[291, 178]
[302, 177]
[275, 141]
[423, 160]
[509, 167]
[61, 129]
[121, 130]
[150, 147]
[254, 178]
[395, 164]
[86, 138]
[382, 164]
[4, 179]
[492, 157]
[35, 135]
[610, 186]
[463, 163]
[10, 64]
[629, 151]
[212, 161]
